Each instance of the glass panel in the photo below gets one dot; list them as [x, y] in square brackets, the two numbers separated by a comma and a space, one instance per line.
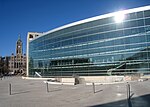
[147, 21]
[140, 14]
[147, 13]
[140, 22]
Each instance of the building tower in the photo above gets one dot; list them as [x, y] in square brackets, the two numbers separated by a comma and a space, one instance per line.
[19, 48]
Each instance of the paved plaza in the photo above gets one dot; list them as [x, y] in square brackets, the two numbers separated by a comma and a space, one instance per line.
[33, 93]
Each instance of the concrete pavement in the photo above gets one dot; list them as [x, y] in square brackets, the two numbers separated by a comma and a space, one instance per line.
[33, 93]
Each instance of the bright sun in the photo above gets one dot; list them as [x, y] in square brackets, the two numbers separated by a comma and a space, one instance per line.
[119, 17]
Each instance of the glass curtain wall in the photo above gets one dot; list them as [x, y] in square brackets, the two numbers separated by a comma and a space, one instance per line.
[100, 47]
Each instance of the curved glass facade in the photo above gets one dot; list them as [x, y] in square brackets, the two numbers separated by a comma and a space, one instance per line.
[97, 47]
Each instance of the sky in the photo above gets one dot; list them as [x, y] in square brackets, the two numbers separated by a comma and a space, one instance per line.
[18, 17]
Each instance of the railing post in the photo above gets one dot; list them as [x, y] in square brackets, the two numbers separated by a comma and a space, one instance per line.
[47, 88]
[9, 89]
[128, 91]
[93, 87]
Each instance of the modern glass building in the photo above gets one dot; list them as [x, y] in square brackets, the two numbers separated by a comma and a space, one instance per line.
[112, 44]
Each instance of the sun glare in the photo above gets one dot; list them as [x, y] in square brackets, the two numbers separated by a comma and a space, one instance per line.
[119, 17]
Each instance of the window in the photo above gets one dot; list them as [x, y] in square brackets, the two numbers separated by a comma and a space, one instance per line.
[140, 22]
[141, 30]
[147, 13]
[140, 14]
[132, 16]
[133, 24]
[130, 24]
[119, 26]
[147, 21]
[30, 36]
[147, 28]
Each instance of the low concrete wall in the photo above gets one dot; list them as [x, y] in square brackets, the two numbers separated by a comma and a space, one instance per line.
[84, 79]
[132, 77]
[71, 80]
[145, 76]
[91, 79]
[62, 81]
[101, 79]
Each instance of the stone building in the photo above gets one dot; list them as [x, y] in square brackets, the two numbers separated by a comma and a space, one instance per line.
[17, 63]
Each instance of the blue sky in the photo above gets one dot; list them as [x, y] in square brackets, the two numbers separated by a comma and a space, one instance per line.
[22, 16]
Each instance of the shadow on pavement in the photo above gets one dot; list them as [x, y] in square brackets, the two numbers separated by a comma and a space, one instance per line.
[54, 90]
[141, 101]
[131, 95]
[98, 91]
[22, 92]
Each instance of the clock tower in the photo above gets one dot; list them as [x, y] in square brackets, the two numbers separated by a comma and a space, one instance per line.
[19, 48]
